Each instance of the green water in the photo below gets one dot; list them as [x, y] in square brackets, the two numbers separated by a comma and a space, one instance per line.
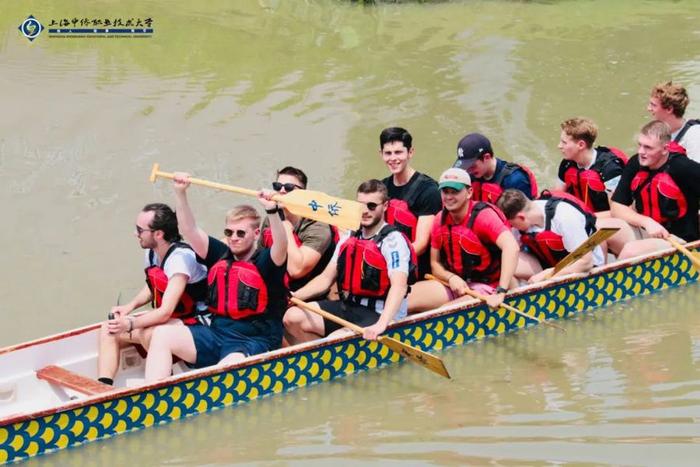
[231, 91]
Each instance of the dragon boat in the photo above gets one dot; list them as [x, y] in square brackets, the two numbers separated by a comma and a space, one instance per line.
[50, 401]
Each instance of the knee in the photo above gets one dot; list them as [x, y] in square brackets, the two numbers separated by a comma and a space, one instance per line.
[160, 336]
[293, 318]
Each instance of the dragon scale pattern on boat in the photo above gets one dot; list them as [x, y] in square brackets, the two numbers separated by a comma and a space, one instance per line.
[134, 409]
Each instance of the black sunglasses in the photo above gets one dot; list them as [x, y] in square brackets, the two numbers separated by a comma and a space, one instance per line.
[239, 233]
[372, 205]
[277, 186]
[140, 230]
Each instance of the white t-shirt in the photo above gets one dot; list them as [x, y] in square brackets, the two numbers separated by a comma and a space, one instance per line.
[690, 141]
[180, 261]
[397, 255]
[571, 225]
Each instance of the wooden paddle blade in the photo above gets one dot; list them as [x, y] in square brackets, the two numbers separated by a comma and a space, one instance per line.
[593, 241]
[154, 172]
[429, 361]
[321, 207]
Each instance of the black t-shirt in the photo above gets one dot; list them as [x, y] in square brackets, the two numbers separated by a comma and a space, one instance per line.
[272, 274]
[686, 174]
[424, 200]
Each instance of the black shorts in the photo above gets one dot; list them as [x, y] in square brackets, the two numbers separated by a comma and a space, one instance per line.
[357, 314]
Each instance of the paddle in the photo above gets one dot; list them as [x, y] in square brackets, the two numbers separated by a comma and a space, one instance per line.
[510, 308]
[688, 254]
[314, 205]
[593, 241]
[429, 361]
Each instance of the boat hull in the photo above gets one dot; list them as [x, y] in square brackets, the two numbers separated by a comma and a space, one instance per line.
[97, 417]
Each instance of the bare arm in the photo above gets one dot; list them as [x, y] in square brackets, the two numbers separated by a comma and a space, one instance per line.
[300, 259]
[397, 291]
[195, 236]
[319, 284]
[632, 217]
[423, 227]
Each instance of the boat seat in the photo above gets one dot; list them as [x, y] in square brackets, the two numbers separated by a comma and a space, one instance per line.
[79, 383]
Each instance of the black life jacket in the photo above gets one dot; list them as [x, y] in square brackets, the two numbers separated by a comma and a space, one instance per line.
[684, 130]
[399, 212]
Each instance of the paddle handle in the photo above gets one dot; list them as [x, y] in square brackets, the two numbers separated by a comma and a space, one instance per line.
[688, 254]
[511, 308]
[155, 173]
[325, 314]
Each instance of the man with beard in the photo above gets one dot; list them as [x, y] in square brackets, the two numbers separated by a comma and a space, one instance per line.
[372, 267]
[175, 284]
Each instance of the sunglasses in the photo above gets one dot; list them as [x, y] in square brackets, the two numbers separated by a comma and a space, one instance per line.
[239, 233]
[372, 205]
[277, 186]
[140, 230]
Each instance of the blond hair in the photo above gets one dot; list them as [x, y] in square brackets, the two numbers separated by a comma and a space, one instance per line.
[244, 211]
[657, 129]
[581, 128]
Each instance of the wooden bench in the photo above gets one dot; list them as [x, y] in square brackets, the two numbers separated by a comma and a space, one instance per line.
[79, 383]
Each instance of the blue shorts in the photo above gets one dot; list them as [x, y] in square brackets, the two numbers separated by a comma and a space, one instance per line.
[225, 336]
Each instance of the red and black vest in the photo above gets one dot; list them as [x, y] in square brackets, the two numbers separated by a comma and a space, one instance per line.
[296, 284]
[157, 282]
[657, 195]
[463, 253]
[588, 185]
[399, 212]
[547, 245]
[490, 190]
[362, 269]
[237, 290]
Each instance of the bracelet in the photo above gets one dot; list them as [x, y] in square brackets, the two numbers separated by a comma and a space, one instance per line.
[450, 278]
[274, 210]
[500, 289]
[131, 324]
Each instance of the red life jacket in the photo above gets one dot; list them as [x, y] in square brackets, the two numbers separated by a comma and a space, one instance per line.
[157, 282]
[399, 212]
[237, 289]
[490, 190]
[362, 269]
[547, 245]
[657, 195]
[463, 253]
[588, 185]
[296, 284]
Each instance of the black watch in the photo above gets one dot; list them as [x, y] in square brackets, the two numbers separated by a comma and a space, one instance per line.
[500, 289]
[273, 210]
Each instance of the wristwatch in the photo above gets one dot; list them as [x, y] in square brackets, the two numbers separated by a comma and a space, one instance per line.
[273, 210]
[500, 289]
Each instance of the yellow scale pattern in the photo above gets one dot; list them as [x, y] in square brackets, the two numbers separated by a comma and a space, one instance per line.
[53, 432]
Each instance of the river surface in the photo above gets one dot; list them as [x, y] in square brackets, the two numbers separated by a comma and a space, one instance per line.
[231, 91]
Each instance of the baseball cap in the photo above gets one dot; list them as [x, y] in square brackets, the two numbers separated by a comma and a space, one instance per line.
[455, 178]
[470, 148]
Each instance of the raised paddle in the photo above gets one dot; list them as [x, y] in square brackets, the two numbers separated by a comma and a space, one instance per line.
[429, 361]
[688, 254]
[593, 241]
[510, 308]
[314, 205]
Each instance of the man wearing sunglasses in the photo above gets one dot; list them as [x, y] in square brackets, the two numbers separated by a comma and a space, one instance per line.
[471, 246]
[414, 197]
[372, 267]
[247, 294]
[310, 243]
[175, 284]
